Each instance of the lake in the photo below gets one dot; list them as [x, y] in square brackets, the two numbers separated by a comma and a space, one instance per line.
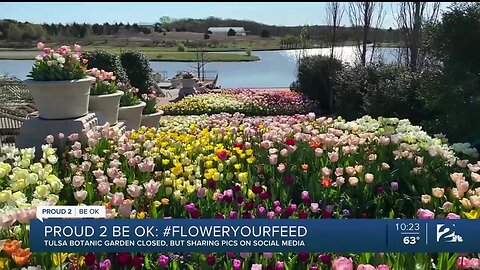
[275, 68]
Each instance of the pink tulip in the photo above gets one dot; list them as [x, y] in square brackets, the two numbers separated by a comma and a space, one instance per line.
[366, 267]
[7, 220]
[97, 173]
[273, 159]
[314, 207]
[342, 263]
[50, 139]
[134, 190]
[281, 168]
[333, 156]
[22, 216]
[237, 264]
[86, 166]
[463, 263]
[120, 182]
[318, 152]
[383, 267]
[425, 214]
[78, 181]
[40, 45]
[125, 209]
[77, 47]
[453, 216]
[103, 188]
[80, 195]
[267, 255]
[73, 137]
[147, 165]
[151, 188]
[117, 198]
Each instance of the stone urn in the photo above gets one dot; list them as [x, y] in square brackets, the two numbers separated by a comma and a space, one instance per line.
[131, 115]
[57, 100]
[188, 83]
[106, 107]
[152, 120]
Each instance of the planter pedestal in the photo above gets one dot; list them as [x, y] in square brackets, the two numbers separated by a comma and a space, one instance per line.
[35, 130]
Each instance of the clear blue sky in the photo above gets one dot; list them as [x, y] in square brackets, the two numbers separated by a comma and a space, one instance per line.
[298, 13]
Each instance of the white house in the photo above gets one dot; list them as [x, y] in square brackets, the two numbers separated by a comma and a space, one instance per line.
[240, 31]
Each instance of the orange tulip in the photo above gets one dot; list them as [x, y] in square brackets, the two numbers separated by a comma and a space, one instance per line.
[11, 246]
[21, 256]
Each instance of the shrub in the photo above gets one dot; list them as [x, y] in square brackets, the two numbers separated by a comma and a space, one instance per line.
[180, 47]
[138, 70]
[379, 90]
[265, 33]
[231, 33]
[107, 61]
[315, 79]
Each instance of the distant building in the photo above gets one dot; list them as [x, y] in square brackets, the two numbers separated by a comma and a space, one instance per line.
[239, 31]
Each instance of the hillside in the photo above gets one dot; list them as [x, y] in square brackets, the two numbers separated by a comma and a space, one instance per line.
[170, 32]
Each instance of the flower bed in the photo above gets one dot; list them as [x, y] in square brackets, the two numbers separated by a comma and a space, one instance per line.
[250, 102]
[233, 166]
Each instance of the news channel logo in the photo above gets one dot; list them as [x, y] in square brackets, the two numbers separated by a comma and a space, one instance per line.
[447, 234]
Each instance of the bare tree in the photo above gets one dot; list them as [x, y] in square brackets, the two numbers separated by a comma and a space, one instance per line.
[410, 18]
[362, 16]
[380, 16]
[334, 19]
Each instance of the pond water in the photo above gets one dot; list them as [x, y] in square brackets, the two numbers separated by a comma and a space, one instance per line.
[275, 68]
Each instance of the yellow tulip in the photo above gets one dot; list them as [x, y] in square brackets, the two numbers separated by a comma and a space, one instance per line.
[238, 166]
[59, 258]
[473, 214]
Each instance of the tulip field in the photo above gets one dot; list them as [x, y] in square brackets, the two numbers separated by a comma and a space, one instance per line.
[284, 163]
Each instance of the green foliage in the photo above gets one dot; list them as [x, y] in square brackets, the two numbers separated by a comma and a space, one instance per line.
[180, 47]
[265, 33]
[138, 70]
[453, 95]
[105, 82]
[379, 90]
[151, 103]
[64, 65]
[129, 97]
[107, 61]
[231, 33]
[249, 52]
[315, 79]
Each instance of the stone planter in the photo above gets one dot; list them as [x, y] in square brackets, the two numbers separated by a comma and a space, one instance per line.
[106, 106]
[131, 115]
[61, 99]
[188, 83]
[151, 120]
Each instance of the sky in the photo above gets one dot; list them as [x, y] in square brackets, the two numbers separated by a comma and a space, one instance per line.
[286, 14]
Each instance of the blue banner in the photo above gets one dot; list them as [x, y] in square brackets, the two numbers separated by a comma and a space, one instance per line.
[254, 235]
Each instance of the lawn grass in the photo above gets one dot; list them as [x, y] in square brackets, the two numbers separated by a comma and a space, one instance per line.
[153, 53]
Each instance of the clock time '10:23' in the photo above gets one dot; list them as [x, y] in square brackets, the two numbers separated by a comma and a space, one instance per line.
[407, 227]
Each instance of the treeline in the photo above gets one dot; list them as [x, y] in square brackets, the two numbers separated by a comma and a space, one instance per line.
[316, 32]
[14, 31]
[11, 30]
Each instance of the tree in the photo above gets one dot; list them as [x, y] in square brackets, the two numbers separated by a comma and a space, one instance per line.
[265, 33]
[334, 19]
[410, 17]
[364, 15]
[14, 33]
[231, 33]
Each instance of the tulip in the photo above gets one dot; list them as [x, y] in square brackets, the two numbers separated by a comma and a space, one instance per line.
[342, 263]
[425, 214]
[237, 264]
[163, 261]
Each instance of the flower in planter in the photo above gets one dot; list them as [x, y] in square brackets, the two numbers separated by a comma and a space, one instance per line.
[151, 103]
[58, 65]
[104, 84]
[129, 97]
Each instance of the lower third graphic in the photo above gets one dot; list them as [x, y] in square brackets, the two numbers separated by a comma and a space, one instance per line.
[447, 234]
